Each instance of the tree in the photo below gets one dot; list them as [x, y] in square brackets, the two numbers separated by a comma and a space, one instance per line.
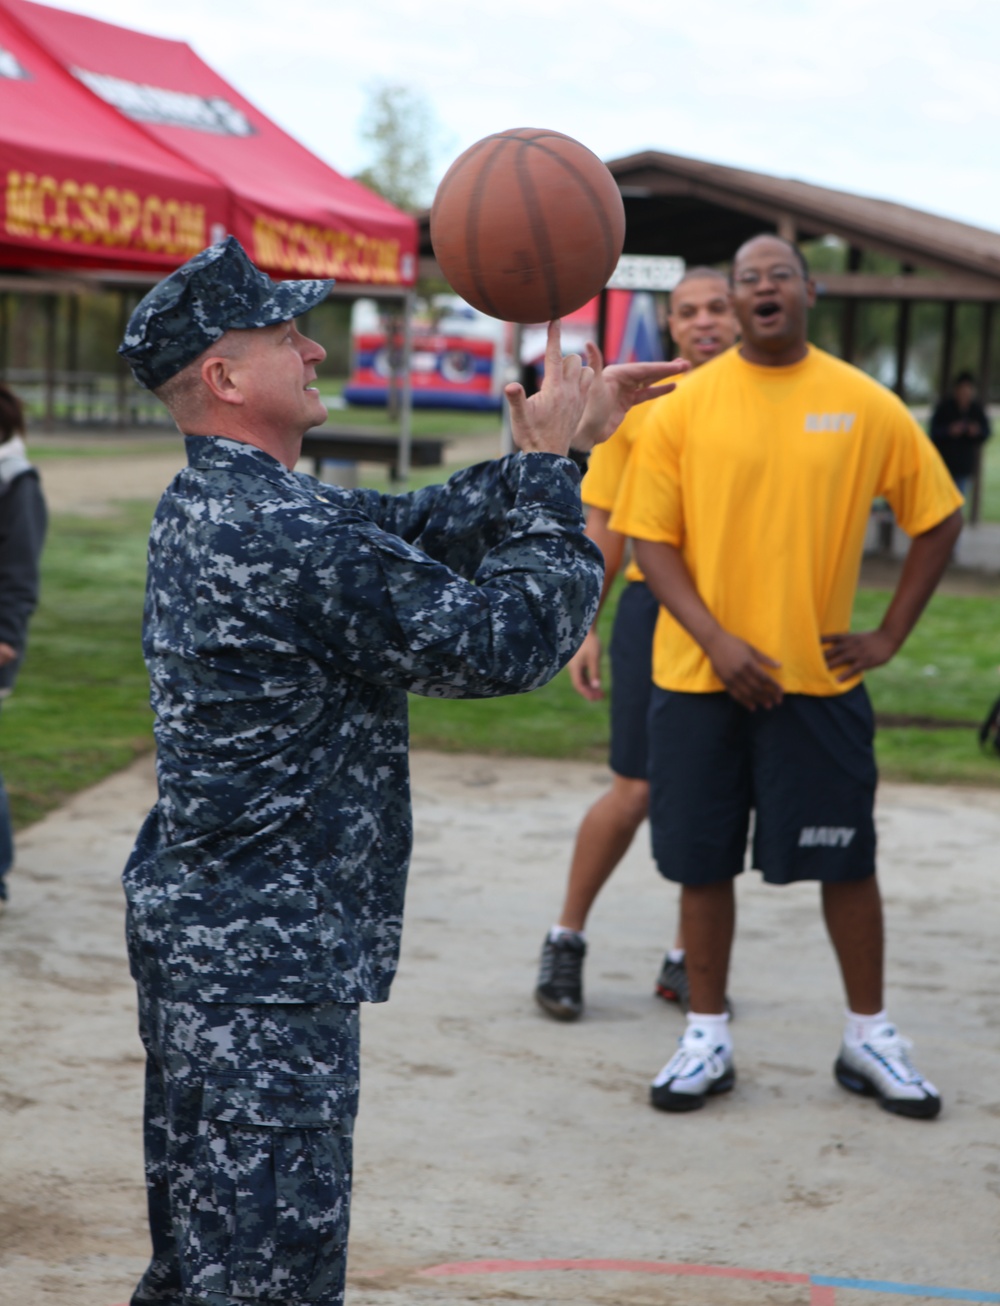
[402, 132]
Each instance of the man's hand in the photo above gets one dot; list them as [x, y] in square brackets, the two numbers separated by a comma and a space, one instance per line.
[8, 654]
[741, 668]
[547, 421]
[853, 654]
[925, 563]
[615, 390]
[585, 668]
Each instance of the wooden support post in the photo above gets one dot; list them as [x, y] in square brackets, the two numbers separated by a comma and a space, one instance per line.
[947, 346]
[902, 346]
[787, 229]
[849, 308]
[986, 352]
[985, 367]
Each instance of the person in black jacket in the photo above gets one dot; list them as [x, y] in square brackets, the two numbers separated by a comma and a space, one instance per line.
[959, 426]
[23, 520]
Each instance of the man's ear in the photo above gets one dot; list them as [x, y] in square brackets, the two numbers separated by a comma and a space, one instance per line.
[810, 292]
[216, 372]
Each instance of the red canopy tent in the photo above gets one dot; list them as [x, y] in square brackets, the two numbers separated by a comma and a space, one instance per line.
[294, 215]
[83, 187]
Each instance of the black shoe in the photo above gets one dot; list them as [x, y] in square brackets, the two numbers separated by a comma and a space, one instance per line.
[560, 976]
[672, 985]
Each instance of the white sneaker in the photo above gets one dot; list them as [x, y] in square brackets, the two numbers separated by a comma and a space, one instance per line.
[697, 1070]
[881, 1067]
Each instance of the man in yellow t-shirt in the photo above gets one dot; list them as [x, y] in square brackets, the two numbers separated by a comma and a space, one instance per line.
[702, 325]
[748, 497]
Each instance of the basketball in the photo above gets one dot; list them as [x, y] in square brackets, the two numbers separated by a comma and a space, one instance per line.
[527, 225]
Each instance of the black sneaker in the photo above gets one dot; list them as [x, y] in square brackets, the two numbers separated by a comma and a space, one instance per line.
[560, 976]
[672, 983]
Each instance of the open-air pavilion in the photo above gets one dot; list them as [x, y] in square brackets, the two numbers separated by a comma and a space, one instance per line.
[703, 211]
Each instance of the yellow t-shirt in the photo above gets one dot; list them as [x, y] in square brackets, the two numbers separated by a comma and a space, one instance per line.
[606, 468]
[764, 478]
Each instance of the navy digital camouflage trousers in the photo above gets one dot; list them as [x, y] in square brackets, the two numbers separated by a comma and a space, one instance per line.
[248, 1122]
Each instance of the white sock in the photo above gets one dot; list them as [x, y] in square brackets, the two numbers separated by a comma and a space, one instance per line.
[715, 1027]
[858, 1029]
[560, 932]
[675, 954]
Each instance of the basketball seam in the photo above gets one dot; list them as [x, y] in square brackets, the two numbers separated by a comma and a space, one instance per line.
[450, 175]
[539, 228]
[472, 243]
[585, 186]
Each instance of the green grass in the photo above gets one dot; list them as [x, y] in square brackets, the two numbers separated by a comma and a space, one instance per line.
[127, 447]
[948, 670]
[80, 710]
[438, 422]
[935, 757]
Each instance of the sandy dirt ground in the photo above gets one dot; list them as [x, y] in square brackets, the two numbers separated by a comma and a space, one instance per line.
[491, 1135]
[488, 1133]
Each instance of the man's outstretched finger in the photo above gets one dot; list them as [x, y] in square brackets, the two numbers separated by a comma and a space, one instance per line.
[652, 392]
[518, 400]
[595, 359]
[553, 345]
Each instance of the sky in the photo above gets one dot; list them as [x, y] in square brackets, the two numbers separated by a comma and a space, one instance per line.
[898, 99]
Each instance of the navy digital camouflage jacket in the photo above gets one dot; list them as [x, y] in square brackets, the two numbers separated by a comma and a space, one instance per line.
[285, 622]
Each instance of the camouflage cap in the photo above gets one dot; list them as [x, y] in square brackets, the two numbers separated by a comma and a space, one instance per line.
[218, 290]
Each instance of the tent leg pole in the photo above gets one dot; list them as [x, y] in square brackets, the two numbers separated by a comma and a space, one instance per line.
[72, 355]
[122, 396]
[406, 396]
[51, 317]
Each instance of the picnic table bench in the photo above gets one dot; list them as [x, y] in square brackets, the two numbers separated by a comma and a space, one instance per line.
[360, 444]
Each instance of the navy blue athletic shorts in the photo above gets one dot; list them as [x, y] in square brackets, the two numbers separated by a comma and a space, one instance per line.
[805, 768]
[632, 679]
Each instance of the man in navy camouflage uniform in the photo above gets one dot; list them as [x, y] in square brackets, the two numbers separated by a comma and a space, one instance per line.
[285, 622]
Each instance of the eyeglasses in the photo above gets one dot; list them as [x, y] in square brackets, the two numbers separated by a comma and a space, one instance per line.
[781, 273]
